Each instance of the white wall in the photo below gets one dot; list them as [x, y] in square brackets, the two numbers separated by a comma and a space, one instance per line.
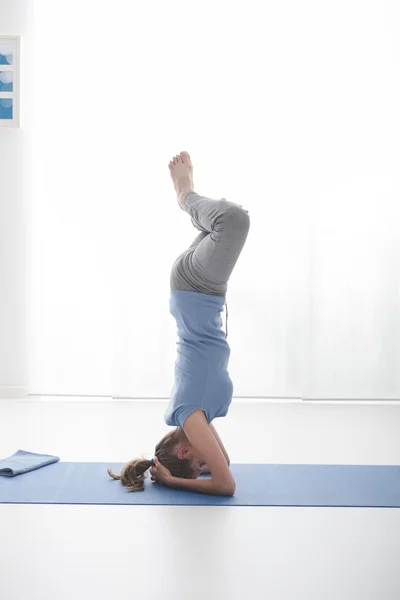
[346, 344]
[289, 109]
[14, 219]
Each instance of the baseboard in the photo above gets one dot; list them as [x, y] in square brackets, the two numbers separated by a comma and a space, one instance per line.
[21, 393]
[13, 392]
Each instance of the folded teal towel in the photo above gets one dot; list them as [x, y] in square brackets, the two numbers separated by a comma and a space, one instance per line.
[22, 462]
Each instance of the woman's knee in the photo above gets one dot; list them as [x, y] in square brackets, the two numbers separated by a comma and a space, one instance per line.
[236, 217]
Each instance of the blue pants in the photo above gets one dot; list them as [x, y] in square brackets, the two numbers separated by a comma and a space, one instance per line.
[208, 263]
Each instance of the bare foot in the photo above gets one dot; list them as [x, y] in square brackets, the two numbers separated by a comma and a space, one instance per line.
[181, 170]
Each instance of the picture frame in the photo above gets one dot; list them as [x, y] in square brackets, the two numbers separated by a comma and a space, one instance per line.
[9, 81]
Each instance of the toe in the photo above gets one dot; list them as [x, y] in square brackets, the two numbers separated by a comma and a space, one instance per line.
[187, 157]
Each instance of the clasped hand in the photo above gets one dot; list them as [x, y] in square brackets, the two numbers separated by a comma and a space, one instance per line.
[159, 473]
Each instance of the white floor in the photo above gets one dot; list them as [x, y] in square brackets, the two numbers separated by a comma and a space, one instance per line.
[187, 553]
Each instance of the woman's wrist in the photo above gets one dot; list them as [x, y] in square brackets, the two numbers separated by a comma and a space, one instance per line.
[171, 481]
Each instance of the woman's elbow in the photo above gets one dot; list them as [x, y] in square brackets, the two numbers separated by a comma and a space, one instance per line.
[227, 489]
[230, 491]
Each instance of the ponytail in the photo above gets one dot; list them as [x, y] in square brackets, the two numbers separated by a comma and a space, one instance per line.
[133, 474]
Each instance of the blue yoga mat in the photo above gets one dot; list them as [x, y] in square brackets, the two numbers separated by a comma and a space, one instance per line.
[256, 485]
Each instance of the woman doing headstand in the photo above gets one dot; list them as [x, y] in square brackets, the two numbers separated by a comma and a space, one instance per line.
[202, 388]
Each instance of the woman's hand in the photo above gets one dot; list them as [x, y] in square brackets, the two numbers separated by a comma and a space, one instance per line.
[159, 473]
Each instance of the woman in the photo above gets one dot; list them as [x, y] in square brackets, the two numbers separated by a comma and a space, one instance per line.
[202, 389]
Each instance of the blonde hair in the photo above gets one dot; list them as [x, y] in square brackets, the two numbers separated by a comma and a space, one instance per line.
[133, 474]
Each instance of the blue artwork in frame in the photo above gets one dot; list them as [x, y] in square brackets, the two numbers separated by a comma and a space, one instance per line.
[6, 108]
[9, 82]
[6, 54]
[6, 81]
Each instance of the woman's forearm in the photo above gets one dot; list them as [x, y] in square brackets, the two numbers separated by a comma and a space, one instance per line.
[204, 486]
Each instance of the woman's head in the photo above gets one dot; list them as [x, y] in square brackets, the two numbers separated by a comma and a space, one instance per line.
[174, 451]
